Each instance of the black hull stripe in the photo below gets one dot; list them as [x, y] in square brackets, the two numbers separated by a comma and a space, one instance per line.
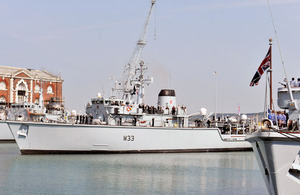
[29, 152]
[7, 141]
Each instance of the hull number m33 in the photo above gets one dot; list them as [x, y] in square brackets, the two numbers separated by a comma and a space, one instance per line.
[129, 138]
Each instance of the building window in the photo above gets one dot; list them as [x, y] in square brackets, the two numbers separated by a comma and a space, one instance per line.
[37, 89]
[36, 101]
[2, 99]
[21, 92]
[22, 86]
[2, 85]
[49, 89]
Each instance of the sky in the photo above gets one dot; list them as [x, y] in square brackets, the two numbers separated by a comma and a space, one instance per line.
[89, 41]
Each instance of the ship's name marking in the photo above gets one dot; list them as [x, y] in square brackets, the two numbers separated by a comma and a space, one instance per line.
[129, 138]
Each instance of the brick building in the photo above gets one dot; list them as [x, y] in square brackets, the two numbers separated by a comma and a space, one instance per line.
[18, 85]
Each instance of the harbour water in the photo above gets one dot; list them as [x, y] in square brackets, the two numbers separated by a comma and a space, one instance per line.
[186, 173]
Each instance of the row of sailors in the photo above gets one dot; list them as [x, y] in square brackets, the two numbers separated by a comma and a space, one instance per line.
[293, 82]
[160, 110]
[279, 118]
[84, 119]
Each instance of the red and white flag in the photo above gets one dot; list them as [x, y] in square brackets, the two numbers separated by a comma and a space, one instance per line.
[266, 63]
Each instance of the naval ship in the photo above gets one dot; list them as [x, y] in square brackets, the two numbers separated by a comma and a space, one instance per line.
[277, 150]
[54, 111]
[126, 124]
[276, 146]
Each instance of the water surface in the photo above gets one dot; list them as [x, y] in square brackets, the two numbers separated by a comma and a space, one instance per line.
[195, 173]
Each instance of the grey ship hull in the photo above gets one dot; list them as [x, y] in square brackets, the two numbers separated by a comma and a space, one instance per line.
[45, 138]
[276, 154]
[5, 134]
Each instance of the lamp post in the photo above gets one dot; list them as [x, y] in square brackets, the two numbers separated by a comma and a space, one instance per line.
[216, 74]
[111, 80]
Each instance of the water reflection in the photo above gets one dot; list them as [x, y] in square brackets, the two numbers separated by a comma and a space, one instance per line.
[196, 173]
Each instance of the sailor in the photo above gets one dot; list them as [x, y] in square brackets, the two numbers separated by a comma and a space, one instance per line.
[279, 118]
[91, 119]
[273, 117]
[152, 110]
[269, 115]
[77, 119]
[134, 121]
[86, 119]
[83, 119]
[283, 121]
[208, 123]
[143, 107]
[155, 110]
[284, 82]
[298, 83]
[293, 82]
[159, 110]
[173, 110]
[80, 119]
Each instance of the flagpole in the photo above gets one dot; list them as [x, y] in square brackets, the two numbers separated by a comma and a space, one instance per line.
[266, 98]
[271, 82]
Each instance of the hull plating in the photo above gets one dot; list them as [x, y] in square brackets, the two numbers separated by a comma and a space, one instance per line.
[5, 134]
[275, 154]
[65, 138]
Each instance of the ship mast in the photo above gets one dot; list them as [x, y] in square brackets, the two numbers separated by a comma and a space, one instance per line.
[271, 77]
[131, 82]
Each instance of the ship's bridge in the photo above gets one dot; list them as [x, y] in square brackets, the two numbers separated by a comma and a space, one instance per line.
[283, 100]
[107, 102]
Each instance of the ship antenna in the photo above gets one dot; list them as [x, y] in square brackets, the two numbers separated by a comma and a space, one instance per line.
[130, 69]
[281, 56]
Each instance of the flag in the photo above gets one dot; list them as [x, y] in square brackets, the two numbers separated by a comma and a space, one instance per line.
[265, 64]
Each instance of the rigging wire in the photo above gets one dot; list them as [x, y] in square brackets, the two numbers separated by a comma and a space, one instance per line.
[277, 40]
[155, 22]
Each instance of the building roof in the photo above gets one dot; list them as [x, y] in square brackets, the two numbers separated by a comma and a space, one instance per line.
[8, 71]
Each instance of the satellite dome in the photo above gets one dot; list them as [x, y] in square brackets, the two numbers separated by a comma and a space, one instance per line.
[244, 117]
[203, 111]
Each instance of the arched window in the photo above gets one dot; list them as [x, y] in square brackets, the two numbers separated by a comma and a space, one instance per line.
[21, 93]
[22, 87]
[2, 85]
[2, 99]
[49, 89]
[37, 89]
[36, 101]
